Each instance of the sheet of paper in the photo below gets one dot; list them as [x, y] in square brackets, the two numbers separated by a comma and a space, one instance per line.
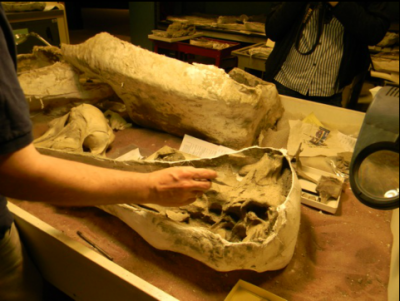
[347, 142]
[308, 134]
[202, 149]
[312, 119]
[133, 155]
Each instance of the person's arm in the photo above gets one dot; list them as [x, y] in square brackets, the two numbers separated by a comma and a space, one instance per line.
[281, 18]
[28, 175]
[367, 25]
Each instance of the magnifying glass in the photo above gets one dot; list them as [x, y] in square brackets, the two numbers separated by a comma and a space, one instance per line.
[375, 179]
[374, 170]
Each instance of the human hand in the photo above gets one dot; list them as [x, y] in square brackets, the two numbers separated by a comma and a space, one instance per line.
[179, 186]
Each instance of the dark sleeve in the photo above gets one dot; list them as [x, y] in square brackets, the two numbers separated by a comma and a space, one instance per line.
[15, 124]
[367, 24]
[282, 17]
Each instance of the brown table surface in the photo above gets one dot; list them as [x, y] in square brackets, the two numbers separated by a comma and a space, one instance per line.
[338, 257]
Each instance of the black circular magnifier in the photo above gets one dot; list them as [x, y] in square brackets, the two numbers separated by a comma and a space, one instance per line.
[374, 170]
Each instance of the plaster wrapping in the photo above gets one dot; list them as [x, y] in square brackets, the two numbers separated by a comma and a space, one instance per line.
[60, 84]
[173, 96]
[249, 220]
[41, 56]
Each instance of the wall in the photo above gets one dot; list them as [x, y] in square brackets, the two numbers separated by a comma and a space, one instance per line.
[142, 22]
[228, 8]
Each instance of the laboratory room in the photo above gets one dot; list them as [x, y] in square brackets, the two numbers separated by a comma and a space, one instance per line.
[199, 151]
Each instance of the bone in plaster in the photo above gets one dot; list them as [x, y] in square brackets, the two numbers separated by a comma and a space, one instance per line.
[116, 121]
[23, 6]
[179, 98]
[41, 56]
[249, 220]
[60, 84]
[85, 127]
[329, 188]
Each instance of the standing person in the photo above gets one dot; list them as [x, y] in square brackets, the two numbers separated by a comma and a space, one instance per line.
[320, 47]
[26, 174]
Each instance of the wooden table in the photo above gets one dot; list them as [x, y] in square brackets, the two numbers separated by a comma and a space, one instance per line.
[338, 257]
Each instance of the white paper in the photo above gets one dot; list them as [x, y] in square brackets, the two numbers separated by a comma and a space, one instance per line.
[303, 133]
[347, 142]
[132, 155]
[202, 149]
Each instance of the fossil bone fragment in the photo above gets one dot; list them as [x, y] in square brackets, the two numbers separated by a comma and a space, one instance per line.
[329, 188]
[166, 94]
[299, 167]
[116, 121]
[85, 127]
[58, 85]
[23, 6]
[255, 26]
[245, 222]
[171, 155]
[177, 30]
[41, 56]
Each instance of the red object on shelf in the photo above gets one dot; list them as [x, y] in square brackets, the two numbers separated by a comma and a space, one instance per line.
[187, 48]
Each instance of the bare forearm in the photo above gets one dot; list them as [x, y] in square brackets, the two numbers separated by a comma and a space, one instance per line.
[30, 176]
[73, 183]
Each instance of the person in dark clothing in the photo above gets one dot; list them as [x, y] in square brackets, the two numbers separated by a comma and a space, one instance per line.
[320, 47]
[26, 174]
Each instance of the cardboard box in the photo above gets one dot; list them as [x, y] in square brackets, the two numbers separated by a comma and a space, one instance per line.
[249, 292]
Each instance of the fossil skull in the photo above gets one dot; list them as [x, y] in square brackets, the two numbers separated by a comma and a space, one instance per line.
[84, 128]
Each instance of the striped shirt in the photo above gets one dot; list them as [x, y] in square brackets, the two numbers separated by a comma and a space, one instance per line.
[315, 74]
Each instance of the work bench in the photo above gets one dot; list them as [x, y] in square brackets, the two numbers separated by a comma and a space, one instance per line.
[185, 47]
[338, 257]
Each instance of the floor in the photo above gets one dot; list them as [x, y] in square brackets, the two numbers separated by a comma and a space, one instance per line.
[51, 293]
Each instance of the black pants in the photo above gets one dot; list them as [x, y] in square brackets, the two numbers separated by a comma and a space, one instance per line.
[335, 100]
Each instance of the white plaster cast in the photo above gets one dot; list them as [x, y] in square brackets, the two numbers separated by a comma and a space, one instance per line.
[60, 84]
[167, 94]
[178, 230]
[41, 56]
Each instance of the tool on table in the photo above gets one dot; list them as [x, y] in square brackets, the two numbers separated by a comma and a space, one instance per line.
[101, 251]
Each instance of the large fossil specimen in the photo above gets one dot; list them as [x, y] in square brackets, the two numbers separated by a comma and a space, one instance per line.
[48, 81]
[41, 56]
[84, 127]
[249, 220]
[23, 6]
[166, 94]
